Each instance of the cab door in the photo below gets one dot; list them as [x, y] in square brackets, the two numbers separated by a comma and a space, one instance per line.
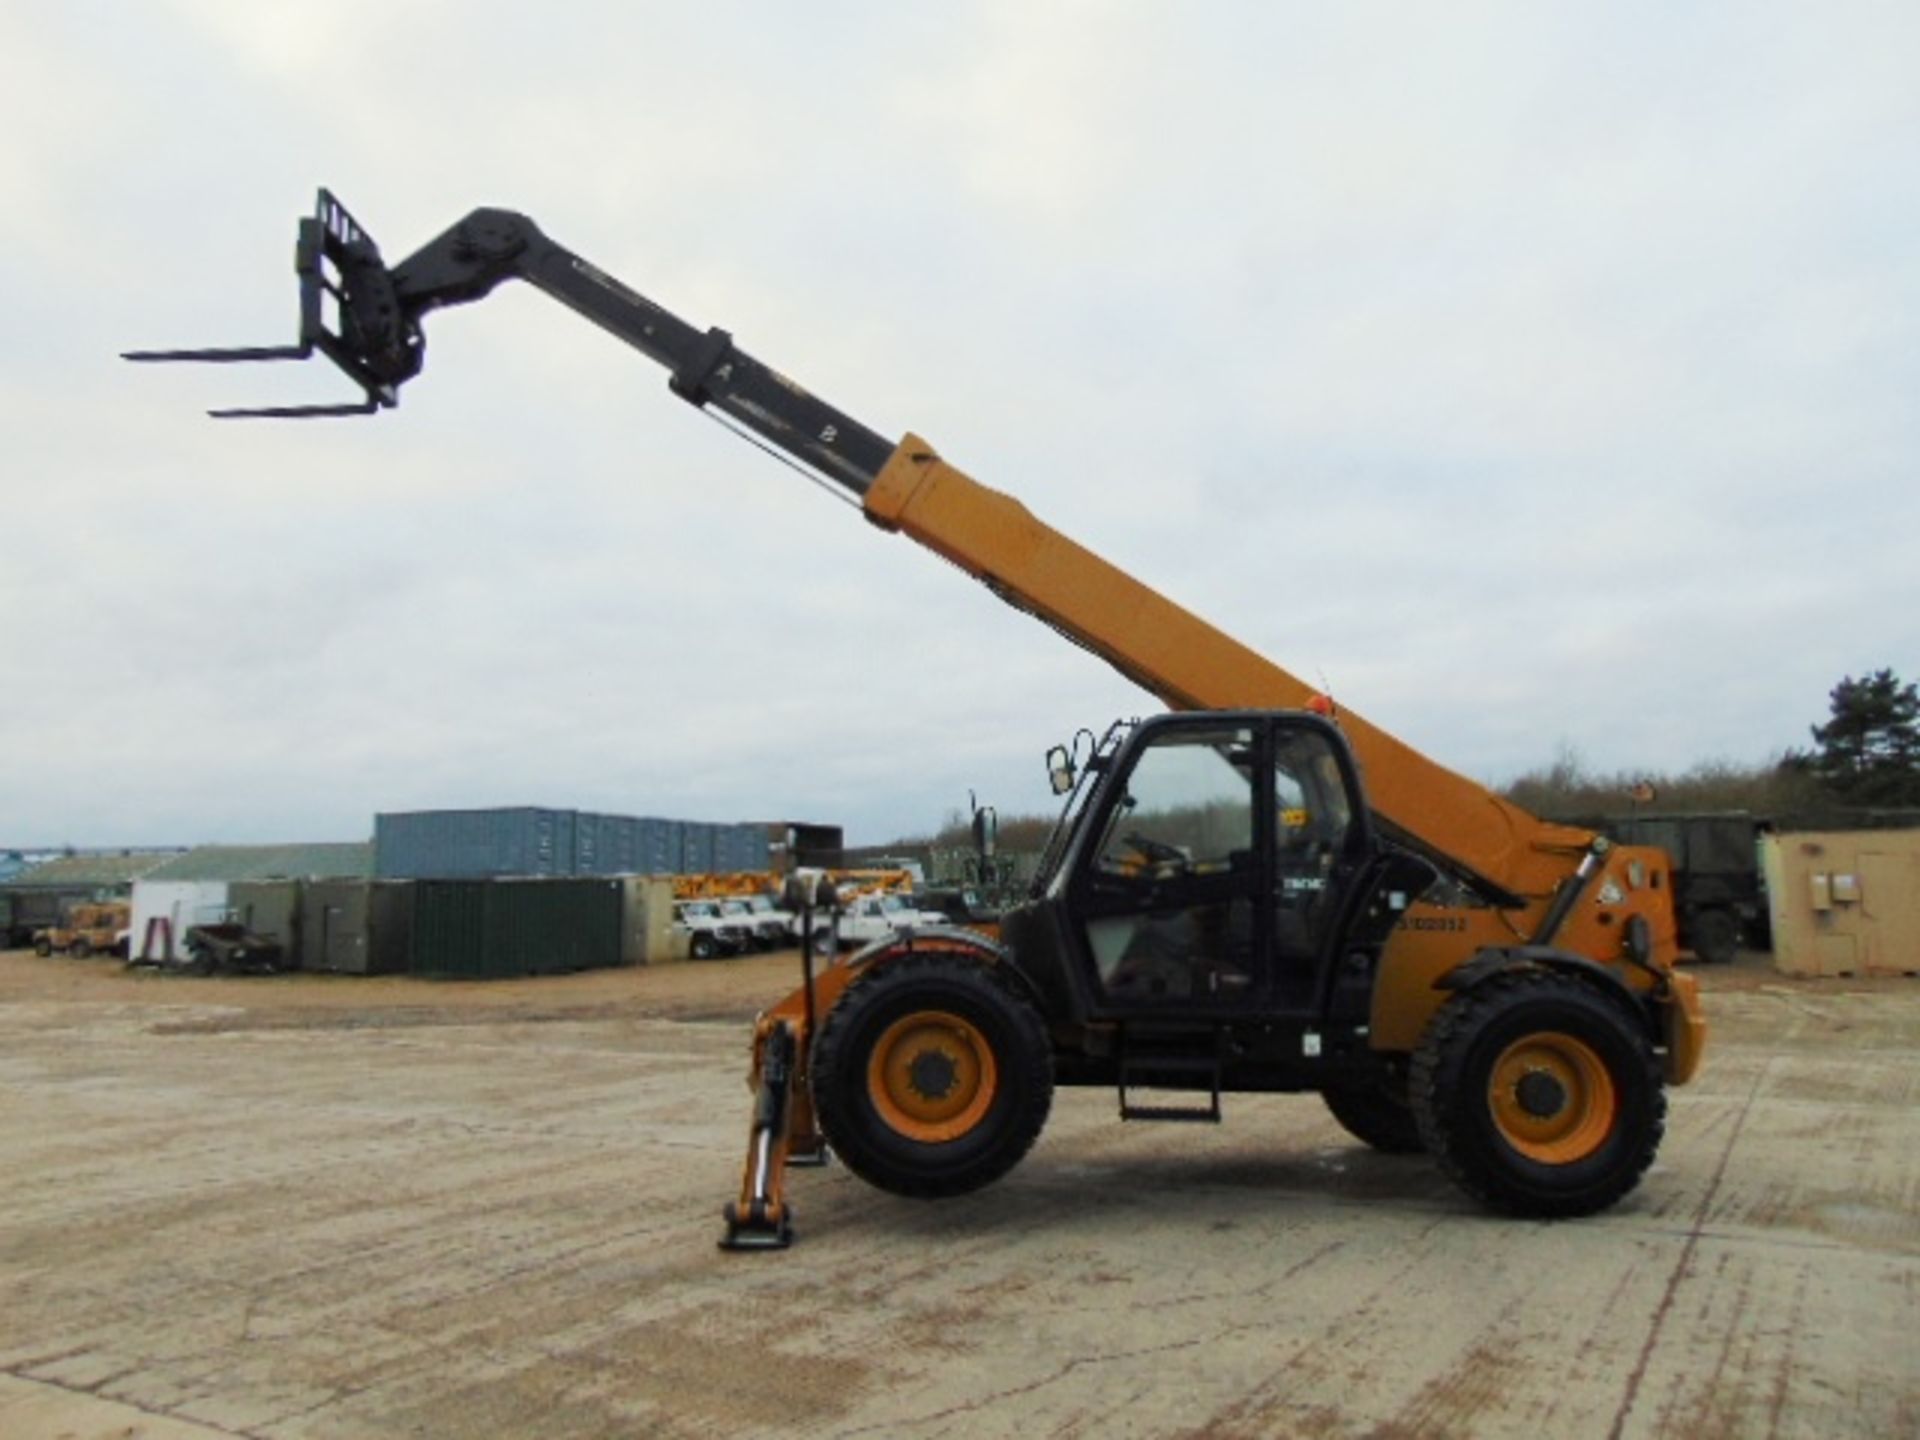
[1219, 870]
[1319, 850]
[1170, 889]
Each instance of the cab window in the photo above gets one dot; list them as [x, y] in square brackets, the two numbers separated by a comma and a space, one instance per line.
[1188, 807]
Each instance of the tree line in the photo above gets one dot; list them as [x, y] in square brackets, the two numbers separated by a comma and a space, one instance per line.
[1866, 756]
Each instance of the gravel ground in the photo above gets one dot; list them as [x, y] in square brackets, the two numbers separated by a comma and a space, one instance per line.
[313, 1206]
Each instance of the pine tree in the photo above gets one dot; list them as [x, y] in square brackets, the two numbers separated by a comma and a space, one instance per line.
[1868, 752]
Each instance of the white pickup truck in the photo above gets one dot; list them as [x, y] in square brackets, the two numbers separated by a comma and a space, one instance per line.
[769, 926]
[867, 918]
[710, 933]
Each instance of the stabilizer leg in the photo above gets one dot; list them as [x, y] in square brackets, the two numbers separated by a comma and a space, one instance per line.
[761, 1219]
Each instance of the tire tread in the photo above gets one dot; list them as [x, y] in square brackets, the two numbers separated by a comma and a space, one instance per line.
[1441, 1125]
[840, 1032]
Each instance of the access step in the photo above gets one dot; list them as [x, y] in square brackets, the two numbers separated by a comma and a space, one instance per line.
[1171, 1071]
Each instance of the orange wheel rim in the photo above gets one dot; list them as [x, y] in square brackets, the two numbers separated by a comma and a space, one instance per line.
[1552, 1098]
[931, 1076]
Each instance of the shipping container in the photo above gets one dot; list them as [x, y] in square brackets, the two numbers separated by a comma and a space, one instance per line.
[473, 844]
[610, 845]
[269, 908]
[529, 842]
[649, 937]
[741, 847]
[696, 848]
[1844, 902]
[673, 842]
[355, 927]
[515, 927]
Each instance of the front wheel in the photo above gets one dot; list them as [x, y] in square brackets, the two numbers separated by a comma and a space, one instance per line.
[42, 946]
[702, 946]
[80, 949]
[931, 1077]
[1539, 1095]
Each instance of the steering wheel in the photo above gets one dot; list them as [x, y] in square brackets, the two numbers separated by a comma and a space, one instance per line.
[1155, 852]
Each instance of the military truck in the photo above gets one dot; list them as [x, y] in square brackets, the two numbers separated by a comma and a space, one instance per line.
[90, 928]
[1719, 898]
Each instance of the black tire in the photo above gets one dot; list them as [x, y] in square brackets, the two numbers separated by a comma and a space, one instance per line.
[1589, 1128]
[42, 946]
[893, 1029]
[80, 949]
[1375, 1115]
[702, 946]
[1714, 935]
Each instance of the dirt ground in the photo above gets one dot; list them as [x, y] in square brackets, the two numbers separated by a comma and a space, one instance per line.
[316, 1206]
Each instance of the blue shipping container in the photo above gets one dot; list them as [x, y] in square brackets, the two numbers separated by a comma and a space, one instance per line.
[541, 843]
[473, 844]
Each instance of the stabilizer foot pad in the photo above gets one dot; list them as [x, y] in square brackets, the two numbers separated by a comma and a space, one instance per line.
[756, 1232]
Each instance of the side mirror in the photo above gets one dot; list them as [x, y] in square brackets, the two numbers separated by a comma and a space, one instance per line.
[1060, 770]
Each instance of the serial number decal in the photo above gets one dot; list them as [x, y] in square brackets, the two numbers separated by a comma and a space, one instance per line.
[1449, 924]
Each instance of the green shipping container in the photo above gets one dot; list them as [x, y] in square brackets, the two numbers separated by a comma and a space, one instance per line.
[496, 928]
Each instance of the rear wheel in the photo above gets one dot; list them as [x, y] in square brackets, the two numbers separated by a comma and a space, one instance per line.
[1539, 1095]
[1376, 1115]
[931, 1077]
[80, 949]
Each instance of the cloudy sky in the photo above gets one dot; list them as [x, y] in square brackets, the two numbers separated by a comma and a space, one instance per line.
[1540, 377]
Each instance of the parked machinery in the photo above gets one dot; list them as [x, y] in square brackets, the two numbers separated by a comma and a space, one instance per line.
[91, 928]
[1226, 904]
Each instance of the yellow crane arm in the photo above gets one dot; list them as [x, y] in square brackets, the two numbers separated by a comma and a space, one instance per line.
[1190, 664]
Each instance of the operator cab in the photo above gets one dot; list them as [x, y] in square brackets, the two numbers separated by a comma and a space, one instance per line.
[1213, 866]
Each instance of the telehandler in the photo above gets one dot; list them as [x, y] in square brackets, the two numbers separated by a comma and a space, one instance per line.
[1255, 891]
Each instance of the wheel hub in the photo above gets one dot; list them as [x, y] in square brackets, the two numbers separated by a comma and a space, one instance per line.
[933, 1074]
[1540, 1094]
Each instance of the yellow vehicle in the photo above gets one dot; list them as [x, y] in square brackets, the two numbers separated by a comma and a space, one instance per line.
[707, 885]
[1248, 893]
[95, 928]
